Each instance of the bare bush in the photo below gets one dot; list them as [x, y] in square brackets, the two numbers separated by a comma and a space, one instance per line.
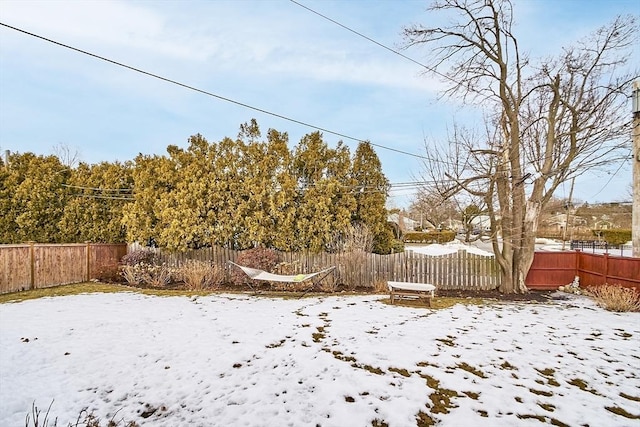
[140, 256]
[198, 275]
[357, 238]
[141, 267]
[380, 287]
[260, 258]
[353, 247]
[615, 298]
[131, 274]
[108, 273]
[157, 276]
[287, 268]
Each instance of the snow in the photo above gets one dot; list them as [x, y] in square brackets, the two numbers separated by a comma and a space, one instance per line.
[240, 360]
[448, 248]
[550, 245]
[483, 247]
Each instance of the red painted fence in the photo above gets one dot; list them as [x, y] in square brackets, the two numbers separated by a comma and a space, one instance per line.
[553, 269]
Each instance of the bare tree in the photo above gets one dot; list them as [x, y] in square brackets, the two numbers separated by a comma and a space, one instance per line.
[457, 212]
[544, 123]
[431, 208]
[67, 156]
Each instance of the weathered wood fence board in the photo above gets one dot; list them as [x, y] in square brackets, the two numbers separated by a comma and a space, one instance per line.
[105, 259]
[34, 265]
[458, 271]
[15, 268]
[59, 265]
[30, 266]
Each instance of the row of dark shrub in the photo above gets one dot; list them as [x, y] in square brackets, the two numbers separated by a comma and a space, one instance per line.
[429, 236]
[143, 267]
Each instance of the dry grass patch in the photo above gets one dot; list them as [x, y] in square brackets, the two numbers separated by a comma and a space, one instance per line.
[400, 371]
[584, 386]
[90, 288]
[38, 418]
[629, 397]
[62, 290]
[198, 275]
[623, 413]
[615, 298]
[380, 287]
[437, 303]
[471, 369]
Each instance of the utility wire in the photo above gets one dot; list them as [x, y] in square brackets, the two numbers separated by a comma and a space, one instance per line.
[128, 192]
[408, 58]
[98, 196]
[202, 91]
[114, 190]
[610, 179]
[399, 54]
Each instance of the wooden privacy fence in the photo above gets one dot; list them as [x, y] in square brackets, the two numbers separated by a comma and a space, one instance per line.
[35, 265]
[553, 269]
[456, 271]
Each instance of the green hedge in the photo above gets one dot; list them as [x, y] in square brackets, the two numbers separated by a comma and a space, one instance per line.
[616, 236]
[557, 235]
[429, 237]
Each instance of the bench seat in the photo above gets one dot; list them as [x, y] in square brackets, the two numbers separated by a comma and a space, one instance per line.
[410, 289]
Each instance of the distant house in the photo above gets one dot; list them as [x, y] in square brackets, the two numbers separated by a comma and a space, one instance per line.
[603, 224]
[481, 223]
[455, 225]
[402, 224]
[558, 222]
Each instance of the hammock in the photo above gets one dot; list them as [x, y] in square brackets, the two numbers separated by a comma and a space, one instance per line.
[256, 274]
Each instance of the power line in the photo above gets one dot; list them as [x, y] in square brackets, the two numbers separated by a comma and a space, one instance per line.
[128, 194]
[112, 190]
[408, 58]
[98, 196]
[609, 181]
[202, 91]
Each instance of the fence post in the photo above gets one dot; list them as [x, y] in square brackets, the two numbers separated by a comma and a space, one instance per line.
[88, 249]
[32, 266]
[606, 268]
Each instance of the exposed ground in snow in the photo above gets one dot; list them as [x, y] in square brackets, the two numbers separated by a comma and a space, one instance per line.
[236, 360]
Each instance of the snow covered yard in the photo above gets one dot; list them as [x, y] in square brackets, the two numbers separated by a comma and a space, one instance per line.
[236, 360]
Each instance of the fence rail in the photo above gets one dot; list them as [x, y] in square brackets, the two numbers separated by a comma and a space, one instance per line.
[32, 266]
[553, 269]
[599, 245]
[456, 271]
[35, 265]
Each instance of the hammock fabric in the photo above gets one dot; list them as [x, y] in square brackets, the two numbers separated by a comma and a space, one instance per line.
[257, 274]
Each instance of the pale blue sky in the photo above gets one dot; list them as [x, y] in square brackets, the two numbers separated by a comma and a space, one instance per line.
[271, 54]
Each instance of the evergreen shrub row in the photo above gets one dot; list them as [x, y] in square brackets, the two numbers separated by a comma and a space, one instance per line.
[618, 236]
[430, 237]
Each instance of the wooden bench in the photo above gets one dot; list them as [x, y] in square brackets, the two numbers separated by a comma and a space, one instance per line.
[409, 289]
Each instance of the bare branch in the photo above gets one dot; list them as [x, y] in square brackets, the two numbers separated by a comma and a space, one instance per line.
[544, 124]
